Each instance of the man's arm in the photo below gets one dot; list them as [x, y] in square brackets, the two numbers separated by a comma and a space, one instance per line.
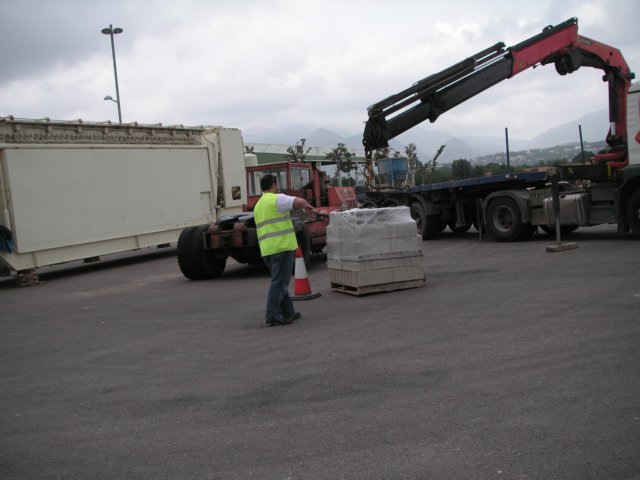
[303, 204]
[286, 203]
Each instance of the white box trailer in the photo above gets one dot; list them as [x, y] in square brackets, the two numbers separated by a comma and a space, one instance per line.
[78, 190]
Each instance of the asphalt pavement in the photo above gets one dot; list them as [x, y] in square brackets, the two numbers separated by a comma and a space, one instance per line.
[510, 363]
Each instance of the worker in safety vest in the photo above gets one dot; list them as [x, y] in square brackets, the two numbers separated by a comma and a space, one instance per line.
[278, 244]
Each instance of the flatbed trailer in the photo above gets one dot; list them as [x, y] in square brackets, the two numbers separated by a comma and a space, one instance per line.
[512, 206]
[455, 203]
[477, 184]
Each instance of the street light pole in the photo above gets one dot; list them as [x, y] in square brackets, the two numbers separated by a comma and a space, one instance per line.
[111, 32]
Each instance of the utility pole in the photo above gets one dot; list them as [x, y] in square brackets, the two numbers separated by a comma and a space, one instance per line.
[111, 32]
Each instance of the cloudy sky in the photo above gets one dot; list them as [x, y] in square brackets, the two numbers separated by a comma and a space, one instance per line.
[264, 64]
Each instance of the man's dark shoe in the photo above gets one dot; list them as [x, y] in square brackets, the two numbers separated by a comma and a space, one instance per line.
[277, 323]
[296, 316]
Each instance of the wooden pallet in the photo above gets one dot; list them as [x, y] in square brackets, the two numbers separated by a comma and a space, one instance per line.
[379, 288]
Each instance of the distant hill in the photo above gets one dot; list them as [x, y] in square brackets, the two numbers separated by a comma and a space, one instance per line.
[535, 156]
[322, 136]
[594, 128]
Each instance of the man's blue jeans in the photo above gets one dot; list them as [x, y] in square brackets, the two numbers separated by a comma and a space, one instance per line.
[279, 304]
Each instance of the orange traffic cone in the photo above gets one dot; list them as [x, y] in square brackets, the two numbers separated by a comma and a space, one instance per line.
[302, 287]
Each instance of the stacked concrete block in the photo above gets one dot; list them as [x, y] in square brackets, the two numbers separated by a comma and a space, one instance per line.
[374, 250]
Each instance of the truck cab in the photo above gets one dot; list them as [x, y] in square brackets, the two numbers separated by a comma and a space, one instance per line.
[304, 180]
[295, 179]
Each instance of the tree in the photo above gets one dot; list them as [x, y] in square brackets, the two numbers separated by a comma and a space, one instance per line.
[496, 168]
[297, 153]
[430, 166]
[342, 158]
[414, 163]
[386, 152]
[441, 174]
[460, 169]
[477, 171]
[559, 162]
[588, 157]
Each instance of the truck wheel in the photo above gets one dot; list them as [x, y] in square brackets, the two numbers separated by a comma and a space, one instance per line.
[207, 263]
[185, 259]
[454, 229]
[391, 202]
[417, 213]
[504, 222]
[217, 263]
[194, 261]
[633, 213]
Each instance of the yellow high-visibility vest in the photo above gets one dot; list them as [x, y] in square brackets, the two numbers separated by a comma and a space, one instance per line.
[275, 229]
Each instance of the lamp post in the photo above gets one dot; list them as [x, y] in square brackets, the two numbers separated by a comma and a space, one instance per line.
[111, 32]
[109, 97]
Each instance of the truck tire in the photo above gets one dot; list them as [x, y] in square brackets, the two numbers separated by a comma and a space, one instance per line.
[391, 202]
[185, 260]
[454, 229]
[417, 213]
[504, 221]
[207, 263]
[633, 212]
[194, 261]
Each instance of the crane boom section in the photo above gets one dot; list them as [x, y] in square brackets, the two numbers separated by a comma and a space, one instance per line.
[544, 45]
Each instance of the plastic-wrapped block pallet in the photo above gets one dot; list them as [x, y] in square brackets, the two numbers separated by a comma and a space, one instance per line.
[374, 250]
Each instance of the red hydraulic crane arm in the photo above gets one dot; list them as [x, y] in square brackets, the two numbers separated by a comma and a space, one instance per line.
[438, 93]
[569, 51]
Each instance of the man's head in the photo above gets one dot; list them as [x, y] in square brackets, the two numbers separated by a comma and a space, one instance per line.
[268, 181]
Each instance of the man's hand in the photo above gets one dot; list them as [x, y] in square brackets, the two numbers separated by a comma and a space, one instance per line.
[303, 204]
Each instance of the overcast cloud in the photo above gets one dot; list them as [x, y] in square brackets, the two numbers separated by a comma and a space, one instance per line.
[257, 65]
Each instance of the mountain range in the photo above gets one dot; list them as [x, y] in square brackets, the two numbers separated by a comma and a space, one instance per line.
[594, 127]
